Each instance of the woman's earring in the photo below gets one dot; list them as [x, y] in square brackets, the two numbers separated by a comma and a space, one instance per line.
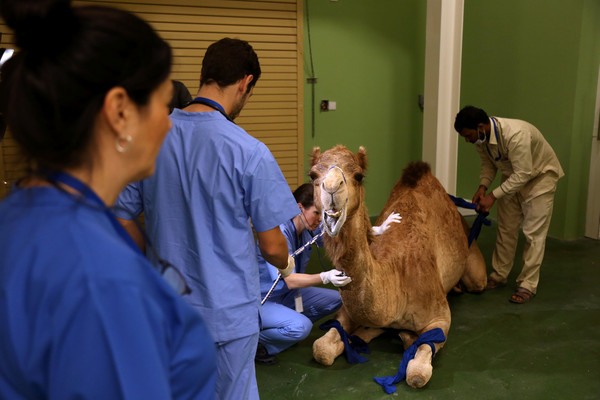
[123, 144]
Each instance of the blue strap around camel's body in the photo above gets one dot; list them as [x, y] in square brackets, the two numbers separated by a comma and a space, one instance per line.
[352, 344]
[479, 221]
[430, 337]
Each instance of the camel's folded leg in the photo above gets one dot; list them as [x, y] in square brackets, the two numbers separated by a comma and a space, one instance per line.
[419, 369]
[475, 276]
[329, 346]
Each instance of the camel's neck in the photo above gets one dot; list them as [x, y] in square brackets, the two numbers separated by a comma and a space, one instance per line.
[349, 250]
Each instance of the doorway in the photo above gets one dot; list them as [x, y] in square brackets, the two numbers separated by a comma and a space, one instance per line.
[592, 221]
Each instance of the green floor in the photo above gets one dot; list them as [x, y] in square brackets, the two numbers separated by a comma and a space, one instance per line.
[547, 349]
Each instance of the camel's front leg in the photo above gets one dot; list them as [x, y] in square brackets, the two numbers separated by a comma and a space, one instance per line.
[419, 369]
[329, 346]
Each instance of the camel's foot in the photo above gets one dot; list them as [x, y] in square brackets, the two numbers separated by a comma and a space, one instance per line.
[328, 347]
[418, 373]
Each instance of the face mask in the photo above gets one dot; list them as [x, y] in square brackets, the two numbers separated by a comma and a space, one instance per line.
[481, 139]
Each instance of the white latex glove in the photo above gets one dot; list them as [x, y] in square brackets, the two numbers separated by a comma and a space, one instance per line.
[393, 217]
[337, 278]
[290, 267]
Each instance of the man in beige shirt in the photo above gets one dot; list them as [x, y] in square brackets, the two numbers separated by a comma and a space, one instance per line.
[530, 171]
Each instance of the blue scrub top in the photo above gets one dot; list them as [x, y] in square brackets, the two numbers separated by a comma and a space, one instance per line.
[268, 273]
[83, 315]
[213, 179]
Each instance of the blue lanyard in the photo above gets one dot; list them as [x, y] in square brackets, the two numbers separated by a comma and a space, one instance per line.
[295, 234]
[497, 141]
[89, 194]
[213, 104]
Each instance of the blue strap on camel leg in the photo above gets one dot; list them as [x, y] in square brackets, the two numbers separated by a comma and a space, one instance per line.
[352, 344]
[430, 337]
[479, 221]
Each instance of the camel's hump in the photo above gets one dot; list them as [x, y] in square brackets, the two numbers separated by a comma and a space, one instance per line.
[413, 173]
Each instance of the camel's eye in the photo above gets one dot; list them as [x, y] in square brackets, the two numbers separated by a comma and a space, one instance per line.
[358, 177]
[313, 176]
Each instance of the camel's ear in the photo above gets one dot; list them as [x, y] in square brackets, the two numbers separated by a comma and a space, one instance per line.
[316, 153]
[362, 157]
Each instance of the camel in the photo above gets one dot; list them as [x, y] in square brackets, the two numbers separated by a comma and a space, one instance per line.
[399, 279]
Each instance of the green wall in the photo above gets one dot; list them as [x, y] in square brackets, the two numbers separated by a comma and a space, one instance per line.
[536, 60]
[368, 56]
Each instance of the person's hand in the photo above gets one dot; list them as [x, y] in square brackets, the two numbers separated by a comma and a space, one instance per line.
[479, 194]
[486, 202]
[393, 217]
[337, 278]
[290, 267]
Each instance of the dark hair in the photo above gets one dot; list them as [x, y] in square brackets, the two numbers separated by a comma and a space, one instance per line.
[304, 195]
[53, 89]
[181, 96]
[229, 60]
[469, 117]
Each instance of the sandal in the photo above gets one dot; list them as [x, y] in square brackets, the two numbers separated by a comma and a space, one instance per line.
[521, 296]
[493, 284]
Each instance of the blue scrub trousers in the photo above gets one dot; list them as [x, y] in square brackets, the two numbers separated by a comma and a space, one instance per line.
[282, 326]
[236, 376]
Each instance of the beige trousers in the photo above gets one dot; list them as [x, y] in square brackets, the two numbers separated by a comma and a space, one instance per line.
[535, 215]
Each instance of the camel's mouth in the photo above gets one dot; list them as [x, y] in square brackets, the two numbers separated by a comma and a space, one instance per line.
[333, 220]
[333, 191]
[333, 213]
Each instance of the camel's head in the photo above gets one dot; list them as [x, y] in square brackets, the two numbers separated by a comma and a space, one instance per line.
[337, 176]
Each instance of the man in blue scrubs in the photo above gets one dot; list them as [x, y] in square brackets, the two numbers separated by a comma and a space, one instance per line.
[213, 182]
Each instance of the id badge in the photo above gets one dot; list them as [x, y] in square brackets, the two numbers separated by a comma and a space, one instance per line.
[298, 301]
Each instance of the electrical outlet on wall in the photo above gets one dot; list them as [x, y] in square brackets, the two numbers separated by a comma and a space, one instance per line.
[328, 105]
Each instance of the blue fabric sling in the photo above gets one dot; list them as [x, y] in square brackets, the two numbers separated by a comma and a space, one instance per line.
[352, 344]
[430, 337]
[479, 221]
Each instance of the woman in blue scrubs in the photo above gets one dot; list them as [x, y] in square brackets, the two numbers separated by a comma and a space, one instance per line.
[288, 314]
[83, 314]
